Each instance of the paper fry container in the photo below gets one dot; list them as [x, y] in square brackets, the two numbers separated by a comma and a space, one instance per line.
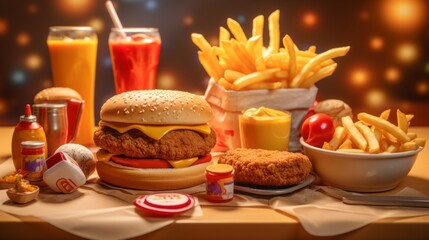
[227, 105]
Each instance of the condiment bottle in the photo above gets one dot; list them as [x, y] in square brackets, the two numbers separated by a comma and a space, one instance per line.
[28, 129]
[219, 183]
[33, 159]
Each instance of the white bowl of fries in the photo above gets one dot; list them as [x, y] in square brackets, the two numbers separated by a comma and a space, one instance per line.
[360, 172]
[371, 154]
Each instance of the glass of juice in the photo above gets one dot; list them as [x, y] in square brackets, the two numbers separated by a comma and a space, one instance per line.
[73, 55]
[135, 57]
[265, 128]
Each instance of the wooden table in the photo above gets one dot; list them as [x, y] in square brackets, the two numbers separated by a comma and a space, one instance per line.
[239, 223]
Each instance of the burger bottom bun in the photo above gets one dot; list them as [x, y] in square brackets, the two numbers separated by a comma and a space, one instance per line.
[151, 179]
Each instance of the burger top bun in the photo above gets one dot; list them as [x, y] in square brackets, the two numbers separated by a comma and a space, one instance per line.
[55, 94]
[156, 107]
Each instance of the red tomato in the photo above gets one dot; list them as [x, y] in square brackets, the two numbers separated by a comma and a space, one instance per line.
[152, 163]
[317, 129]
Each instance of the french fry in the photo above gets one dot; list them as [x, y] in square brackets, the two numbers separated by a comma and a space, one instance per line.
[355, 136]
[383, 144]
[254, 78]
[204, 60]
[412, 135]
[236, 30]
[346, 144]
[265, 85]
[402, 120]
[274, 31]
[384, 125]
[322, 73]
[225, 84]
[254, 47]
[312, 49]
[339, 136]
[224, 35]
[260, 64]
[258, 26]
[390, 138]
[373, 144]
[351, 150]
[391, 149]
[231, 75]
[281, 74]
[332, 53]
[378, 132]
[201, 42]
[288, 43]
[420, 141]
[408, 146]
[326, 146]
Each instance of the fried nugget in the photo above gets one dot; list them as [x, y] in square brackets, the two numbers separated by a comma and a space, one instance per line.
[266, 167]
[177, 144]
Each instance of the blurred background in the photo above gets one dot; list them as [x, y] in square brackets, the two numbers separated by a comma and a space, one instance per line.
[387, 67]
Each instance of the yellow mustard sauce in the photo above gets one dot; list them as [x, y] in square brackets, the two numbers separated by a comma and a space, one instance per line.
[265, 128]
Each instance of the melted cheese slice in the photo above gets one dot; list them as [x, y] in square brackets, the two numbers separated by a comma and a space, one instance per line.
[182, 163]
[154, 131]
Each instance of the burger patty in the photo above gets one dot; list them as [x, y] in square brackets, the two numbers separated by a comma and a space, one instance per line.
[175, 145]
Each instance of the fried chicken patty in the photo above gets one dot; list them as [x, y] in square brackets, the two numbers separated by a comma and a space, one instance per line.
[266, 167]
[175, 145]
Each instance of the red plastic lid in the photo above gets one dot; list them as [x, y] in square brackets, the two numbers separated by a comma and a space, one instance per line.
[165, 203]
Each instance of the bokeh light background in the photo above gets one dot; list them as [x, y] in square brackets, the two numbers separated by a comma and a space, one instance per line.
[387, 67]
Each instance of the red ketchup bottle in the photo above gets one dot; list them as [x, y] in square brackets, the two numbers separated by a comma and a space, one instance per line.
[219, 183]
[28, 129]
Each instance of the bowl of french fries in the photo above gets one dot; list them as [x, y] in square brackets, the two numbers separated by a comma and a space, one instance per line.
[371, 154]
[272, 73]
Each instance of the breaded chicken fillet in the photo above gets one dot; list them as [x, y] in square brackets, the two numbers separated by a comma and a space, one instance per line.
[266, 167]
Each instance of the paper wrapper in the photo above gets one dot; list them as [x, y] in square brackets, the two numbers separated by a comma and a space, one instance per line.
[228, 105]
[322, 215]
[88, 214]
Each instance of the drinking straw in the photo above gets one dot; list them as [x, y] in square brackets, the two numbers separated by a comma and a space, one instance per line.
[113, 14]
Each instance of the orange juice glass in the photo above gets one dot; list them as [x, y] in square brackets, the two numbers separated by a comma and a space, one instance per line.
[265, 128]
[73, 55]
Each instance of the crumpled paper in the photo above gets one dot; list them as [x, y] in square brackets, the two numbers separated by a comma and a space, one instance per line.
[322, 215]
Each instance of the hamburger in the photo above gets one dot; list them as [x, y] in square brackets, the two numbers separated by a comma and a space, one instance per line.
[154, 140]
[56, 94]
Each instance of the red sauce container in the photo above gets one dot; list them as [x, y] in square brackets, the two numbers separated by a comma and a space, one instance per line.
[219, 183]
[165, 204]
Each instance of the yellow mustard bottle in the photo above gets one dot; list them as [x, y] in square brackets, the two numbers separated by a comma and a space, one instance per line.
[28, 129]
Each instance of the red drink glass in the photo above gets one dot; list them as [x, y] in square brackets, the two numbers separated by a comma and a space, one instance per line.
[135, 57]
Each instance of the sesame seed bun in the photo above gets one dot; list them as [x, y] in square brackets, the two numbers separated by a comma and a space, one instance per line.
[156, 107]
[56, 94]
